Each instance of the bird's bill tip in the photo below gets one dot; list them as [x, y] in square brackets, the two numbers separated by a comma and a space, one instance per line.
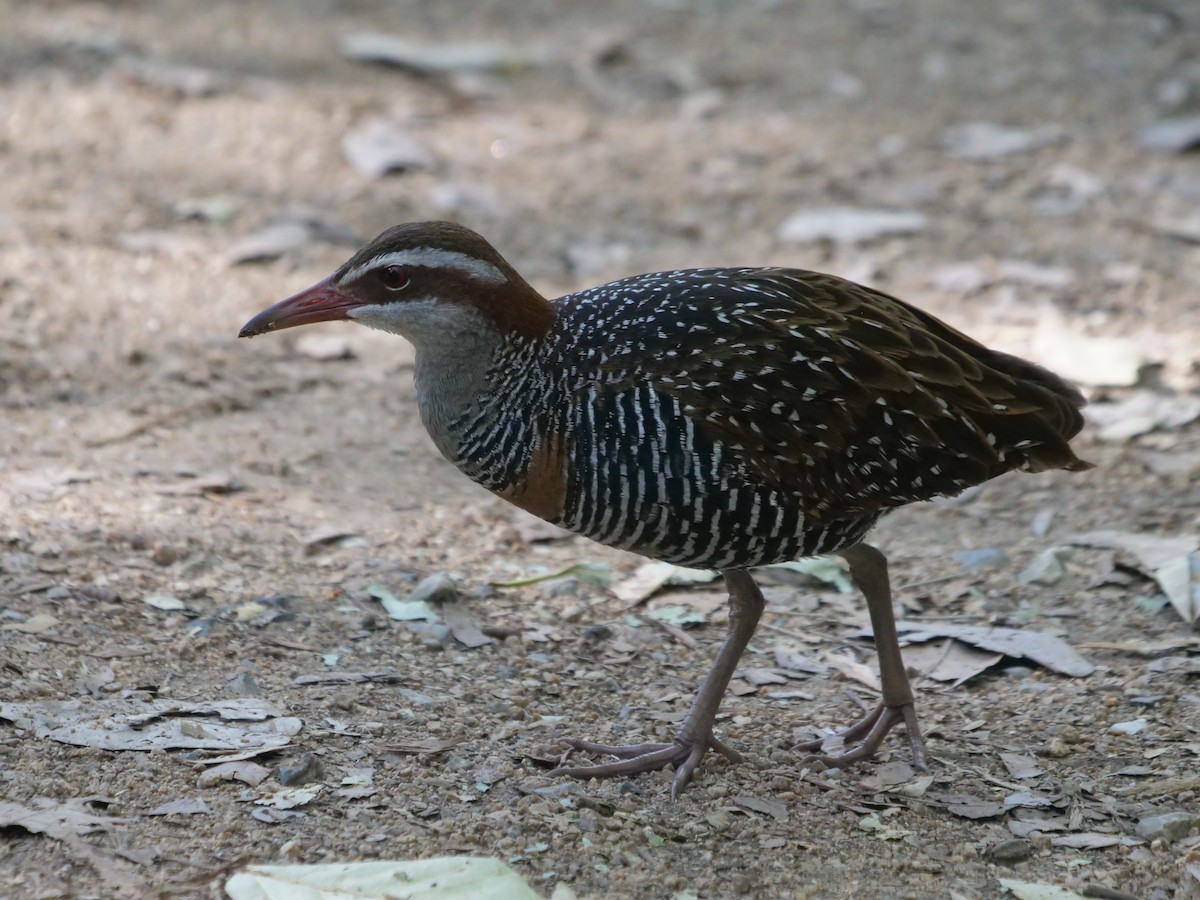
[320, 303]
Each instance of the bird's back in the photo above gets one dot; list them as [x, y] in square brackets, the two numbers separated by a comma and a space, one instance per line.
[729, 417]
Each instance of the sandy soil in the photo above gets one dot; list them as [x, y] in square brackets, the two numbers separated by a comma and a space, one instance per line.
[257, 490]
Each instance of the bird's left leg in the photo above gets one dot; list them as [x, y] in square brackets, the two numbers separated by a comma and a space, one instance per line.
[868, 568]
[695, 735]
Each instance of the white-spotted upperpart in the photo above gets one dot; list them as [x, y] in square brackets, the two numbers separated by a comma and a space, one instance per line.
[737, 417]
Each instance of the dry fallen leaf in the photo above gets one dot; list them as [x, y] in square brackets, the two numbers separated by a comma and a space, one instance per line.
[241, 724]
[1044, 649]
[440, 878]
[776, 809]
[1028, 890]
[949, 661]
[1020, 767]
[290, 798]
[653, 576]
[1171, 561]
[185, 806]
[462, 626]
[54, 818]
[39, 623]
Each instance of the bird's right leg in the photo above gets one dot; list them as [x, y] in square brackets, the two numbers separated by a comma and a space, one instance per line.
[868, 568]
[695, 735]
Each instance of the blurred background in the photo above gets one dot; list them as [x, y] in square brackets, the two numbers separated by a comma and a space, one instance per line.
[1027, 170]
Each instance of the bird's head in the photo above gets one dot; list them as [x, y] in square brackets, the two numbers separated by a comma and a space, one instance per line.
[427, 281]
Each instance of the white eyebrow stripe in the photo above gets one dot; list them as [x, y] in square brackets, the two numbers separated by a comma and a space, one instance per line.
[433, 257]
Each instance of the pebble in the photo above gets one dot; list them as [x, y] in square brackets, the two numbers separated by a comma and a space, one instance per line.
[1172, 135]
[244, 685]
[589, 821]
[438, 588]
[719, 821]
[379, 147]
[846, 225]
[1013, 850]
[303, 770]
[983, 558]
[433, 635]
[1047, 569]
[562, 587]
[1058, 749]
[987, 140]
[1169, 827]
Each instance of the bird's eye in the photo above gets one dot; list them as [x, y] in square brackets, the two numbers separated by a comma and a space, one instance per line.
[394, 277]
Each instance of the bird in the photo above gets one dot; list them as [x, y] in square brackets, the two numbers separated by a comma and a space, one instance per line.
[716, 418]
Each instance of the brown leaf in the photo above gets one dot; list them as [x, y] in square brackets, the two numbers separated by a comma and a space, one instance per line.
[428, 747]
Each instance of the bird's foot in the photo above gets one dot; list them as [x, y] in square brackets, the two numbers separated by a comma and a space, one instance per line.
[865, 736]
[684, 753]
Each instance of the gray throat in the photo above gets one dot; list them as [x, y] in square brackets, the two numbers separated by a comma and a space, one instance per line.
[452, 383]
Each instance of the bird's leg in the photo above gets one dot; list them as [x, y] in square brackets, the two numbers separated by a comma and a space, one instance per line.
[868, 568]
[695, 736]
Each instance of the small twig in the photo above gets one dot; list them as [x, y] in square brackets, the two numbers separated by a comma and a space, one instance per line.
[56, 639]
[928, 581]
[767, 626]
[677, 633]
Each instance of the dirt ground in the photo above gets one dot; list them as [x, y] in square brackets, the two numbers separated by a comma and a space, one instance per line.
[189, 518]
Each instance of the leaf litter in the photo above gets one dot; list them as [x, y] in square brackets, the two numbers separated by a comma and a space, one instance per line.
[239, 724]
[1173, 562]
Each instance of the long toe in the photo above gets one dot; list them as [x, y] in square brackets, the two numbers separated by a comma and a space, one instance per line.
[864, 738]
[847, 736]
[634, 759]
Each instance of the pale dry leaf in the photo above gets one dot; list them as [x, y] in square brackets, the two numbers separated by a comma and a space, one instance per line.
[1141, 413]
[235, 770]
[1171, 561]
[290, 798]
[241, 724]
[888, 776]
[848, 225]
[185, 806]
[329, 536]
[440, 878]
[1020, 766]
[380, 146]
[1085, 359]
[463, 627]
[39, 623]
[1086, 840]
[1029, 890]
[758, 676]
[949, 661]
[651, 577]
[854, 670]
[1044, 649]
[428, 57]
[776, 809]
[54, 818]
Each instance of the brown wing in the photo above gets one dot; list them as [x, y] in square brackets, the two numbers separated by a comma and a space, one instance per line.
[859, 402]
